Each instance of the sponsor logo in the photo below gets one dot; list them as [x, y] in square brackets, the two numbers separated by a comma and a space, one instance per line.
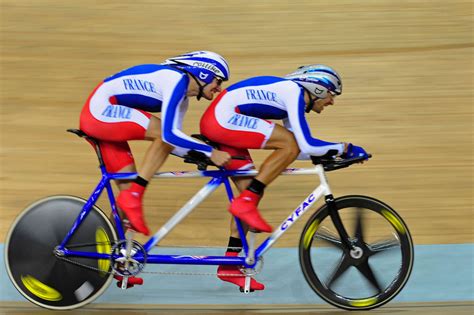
[297, 213]
[207, 66]
[203, 76]
[318, 91]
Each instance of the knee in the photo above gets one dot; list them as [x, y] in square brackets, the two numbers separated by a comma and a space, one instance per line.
[290, 150]
[291, 147]
[293, 150]
[285, 141]
[154, 129]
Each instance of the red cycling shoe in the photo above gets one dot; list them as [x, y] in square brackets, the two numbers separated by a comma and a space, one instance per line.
[131, 281]
[244, 207]
[233, 275]
[131, 204]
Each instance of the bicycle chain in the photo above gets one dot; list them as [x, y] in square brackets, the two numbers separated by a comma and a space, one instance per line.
[169, 273]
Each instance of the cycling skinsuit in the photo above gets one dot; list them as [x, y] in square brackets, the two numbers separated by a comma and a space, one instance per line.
[237, 118]
[118, 111]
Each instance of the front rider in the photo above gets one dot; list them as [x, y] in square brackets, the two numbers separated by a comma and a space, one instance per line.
[238, 120]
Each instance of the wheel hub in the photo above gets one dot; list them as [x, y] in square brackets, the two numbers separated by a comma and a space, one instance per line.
[356, 252]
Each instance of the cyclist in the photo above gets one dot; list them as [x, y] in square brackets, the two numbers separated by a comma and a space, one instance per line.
[118, 110]
[237, 121]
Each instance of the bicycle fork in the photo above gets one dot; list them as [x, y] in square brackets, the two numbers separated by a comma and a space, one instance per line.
[336, 219]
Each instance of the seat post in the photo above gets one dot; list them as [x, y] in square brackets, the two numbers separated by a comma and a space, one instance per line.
[98, 151]
[92, 141]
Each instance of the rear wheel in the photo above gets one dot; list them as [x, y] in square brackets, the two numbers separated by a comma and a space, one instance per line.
[370, 273]
[46, 279]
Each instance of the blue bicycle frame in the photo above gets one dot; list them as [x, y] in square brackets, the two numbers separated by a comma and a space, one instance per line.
[218, 177]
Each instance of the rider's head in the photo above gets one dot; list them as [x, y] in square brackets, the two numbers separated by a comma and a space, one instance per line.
[321, 82]
[206, 67]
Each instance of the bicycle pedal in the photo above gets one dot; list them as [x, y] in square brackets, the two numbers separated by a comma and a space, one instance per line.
[131, 282]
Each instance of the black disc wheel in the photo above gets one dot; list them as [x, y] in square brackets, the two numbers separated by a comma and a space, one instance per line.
[49, 280]
[367, 270]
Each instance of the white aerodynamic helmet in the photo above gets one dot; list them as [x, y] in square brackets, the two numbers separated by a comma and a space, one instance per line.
[203, 65]
[319, 80]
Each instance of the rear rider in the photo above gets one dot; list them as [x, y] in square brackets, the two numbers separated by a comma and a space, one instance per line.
[120, 107]
[238, 119]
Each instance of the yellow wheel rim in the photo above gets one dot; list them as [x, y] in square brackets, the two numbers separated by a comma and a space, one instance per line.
[364, 302]
[40, 289]
[394, 221]
[103, 247]
[308, 236]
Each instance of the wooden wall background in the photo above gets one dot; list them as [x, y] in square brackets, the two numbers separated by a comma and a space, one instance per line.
[407, 68]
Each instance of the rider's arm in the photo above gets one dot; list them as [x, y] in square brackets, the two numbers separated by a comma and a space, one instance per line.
[301, 156]
[175, 104]
[297, 120]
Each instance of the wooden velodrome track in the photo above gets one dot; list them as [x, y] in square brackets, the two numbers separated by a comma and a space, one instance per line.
[407, 68]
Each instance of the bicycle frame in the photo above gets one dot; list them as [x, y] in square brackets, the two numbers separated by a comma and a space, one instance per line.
[218, 177]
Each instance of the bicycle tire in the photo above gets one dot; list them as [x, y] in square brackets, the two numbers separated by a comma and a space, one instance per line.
[45, 279]
[361, 296]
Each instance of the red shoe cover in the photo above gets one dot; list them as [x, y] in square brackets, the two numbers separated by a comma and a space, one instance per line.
[130, 283]
[131, 204]
[238, 281]
[244, 207]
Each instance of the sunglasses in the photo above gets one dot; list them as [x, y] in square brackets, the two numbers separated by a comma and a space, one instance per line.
[218, 81]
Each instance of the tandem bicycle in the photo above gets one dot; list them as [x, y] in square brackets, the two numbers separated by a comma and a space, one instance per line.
[62, 252]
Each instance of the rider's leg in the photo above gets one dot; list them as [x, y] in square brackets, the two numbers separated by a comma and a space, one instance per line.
[130, 199]
[219, 124]
[241, 183]
[123, 185]
[286, 151]
[233, 274]
[113, 135]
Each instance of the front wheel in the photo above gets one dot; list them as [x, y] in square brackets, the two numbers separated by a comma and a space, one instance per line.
[370, 272]
[50, 281]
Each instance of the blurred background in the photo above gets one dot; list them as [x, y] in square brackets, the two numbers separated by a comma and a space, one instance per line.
[407, 69]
